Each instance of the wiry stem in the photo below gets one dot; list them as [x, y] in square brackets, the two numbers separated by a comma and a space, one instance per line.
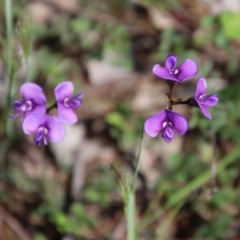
[51, 107]
[171, 85]
[9, 27]
[137, 166]
[131, 209]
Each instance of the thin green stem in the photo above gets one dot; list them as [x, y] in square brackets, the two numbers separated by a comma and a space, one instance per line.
[9, 27]
[29, 68]
[27, 42]
[131, 209]
[137, 164]
[131, 213]
[11, 75]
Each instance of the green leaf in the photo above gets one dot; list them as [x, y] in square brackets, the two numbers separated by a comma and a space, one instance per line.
[230, 22]
[115, 119]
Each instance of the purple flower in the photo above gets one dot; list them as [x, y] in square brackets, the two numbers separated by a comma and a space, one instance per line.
[66, 103]
[171, 72]
[202, 100]
[166, 122]
[33, 101]
[44, 127]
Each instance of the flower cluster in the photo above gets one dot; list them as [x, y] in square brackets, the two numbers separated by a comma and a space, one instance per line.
[166, 121]
[34, 114]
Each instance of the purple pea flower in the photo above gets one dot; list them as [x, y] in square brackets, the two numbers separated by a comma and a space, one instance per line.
[171, 72]
[44, 127]
[34, 101]
[203, 101]
[66, 103]
[166, 122]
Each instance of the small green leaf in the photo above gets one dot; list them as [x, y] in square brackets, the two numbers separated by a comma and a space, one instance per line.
[115, 119]
[230, 22]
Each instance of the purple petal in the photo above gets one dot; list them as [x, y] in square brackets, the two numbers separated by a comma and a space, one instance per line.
[32, 123]
[75, 101]
[167, 140]
[63, 90]
[180, 123]
[31, 91]
[162, 72]
[201, 87]
[154, 124]
[17, 104]
[165, 137]
[38, 109]
[14, 115]
[167, 134]
[210, 100]
[56, 129]
[171, 62]
[40, 138]
[66, 115]
[187, 70]
[205, 111]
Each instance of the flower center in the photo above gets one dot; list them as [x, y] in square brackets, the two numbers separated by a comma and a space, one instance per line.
[41, 136]
[65, 102]
[43, 130]
[23, 106]
[201, 96]
[174, 72]
[29, 105]
[165, 124]
[167, 131]
[73, 102]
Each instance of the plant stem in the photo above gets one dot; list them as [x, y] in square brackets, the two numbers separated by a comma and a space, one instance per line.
[169, 94]
[137, 164]
[9, 27]
[131, 207]
[51, 107]
[8, 15]
[131, 212]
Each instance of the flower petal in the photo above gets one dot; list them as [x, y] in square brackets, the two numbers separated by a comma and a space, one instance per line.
[32, 123]
[180, 123]
[167, 134]
[187, 70]
[205, 111]
[171, 62]
[201, 87]
[31, 91]
[75, 101]
[162, 72]
[66, 115]
[210, 100]
[14, 115]
[63, 90]
[56, 129]
[38, 109]
[154, 124]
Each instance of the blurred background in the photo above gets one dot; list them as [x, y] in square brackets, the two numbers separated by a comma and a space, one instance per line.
[187, 189]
